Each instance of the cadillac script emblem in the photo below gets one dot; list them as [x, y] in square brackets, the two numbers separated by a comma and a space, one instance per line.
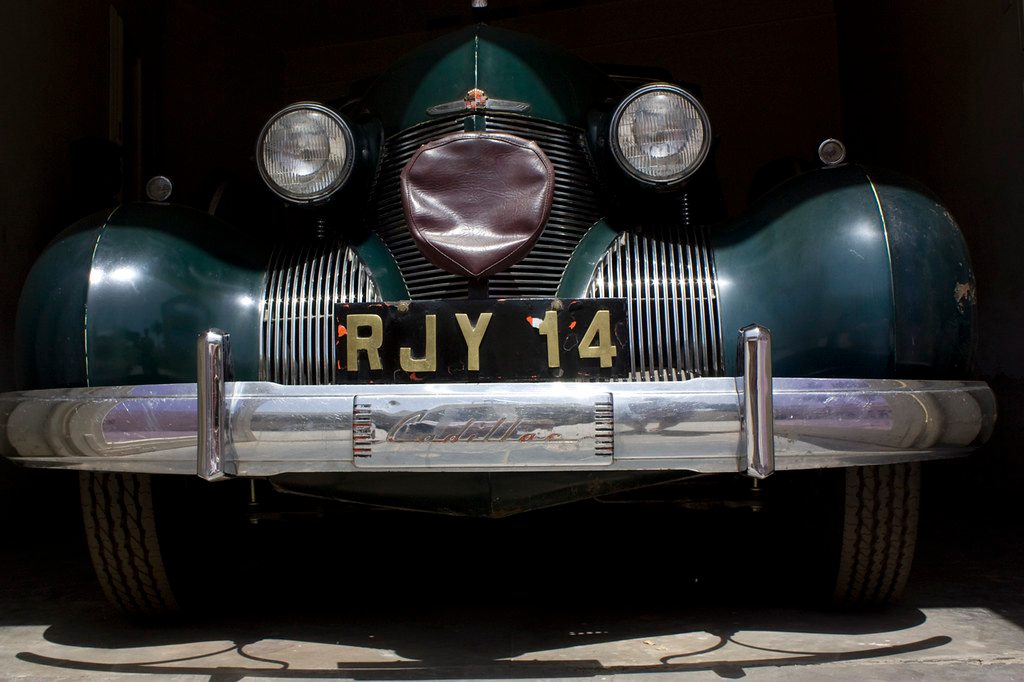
[486, 430]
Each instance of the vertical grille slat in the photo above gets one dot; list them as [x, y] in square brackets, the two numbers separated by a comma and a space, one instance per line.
[639, 297]
[702, 301]
[682, 342]
[323, 331]
[655, 303]
[330, 300]
[692, 307]
[668, 362]
[711, 313]
[305, 321]
[671, 293]
[294, 319]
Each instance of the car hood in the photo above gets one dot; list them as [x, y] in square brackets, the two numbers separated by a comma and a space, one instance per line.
[558, 86]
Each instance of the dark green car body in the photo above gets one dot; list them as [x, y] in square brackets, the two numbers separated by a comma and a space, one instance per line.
[858, 274]
[207, 368]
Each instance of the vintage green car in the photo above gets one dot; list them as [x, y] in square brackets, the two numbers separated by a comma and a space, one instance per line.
[495, 281]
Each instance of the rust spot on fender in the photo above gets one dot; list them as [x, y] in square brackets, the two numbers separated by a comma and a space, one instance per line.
[965, 294]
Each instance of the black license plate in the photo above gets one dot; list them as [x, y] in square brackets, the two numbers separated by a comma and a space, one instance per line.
[484, 340]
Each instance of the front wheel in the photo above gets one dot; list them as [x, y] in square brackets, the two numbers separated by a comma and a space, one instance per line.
[879, 532]
[120, 526]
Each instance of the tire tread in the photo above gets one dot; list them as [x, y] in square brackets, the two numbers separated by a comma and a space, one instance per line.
[879, 534]
[121, 531]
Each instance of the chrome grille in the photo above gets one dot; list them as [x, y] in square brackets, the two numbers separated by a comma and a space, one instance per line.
[667, 275]
[574, 209]
[303, 284]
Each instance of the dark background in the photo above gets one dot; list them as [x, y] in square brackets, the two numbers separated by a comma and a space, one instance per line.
[930, 88]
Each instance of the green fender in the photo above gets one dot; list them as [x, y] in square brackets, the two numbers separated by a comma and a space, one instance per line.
[812, 265]
[856, 274]
[934, 291]
[50, 327]
[855, 277]
[160, 276]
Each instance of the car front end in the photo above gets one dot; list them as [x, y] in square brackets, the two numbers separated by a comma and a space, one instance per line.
[494, 288]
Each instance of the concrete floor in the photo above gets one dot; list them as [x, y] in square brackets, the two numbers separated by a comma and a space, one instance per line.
[550, 595]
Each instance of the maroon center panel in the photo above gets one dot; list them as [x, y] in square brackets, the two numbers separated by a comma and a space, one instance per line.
[476, 202]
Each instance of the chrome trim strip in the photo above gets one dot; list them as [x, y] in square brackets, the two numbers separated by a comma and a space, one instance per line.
[693, 425]
[460, 106]
[213, 447]
[758, 415]
[362, 428]
[604, 427]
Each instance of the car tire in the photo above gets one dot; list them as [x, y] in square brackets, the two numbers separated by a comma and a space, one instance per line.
[120, 527]
[879, 533]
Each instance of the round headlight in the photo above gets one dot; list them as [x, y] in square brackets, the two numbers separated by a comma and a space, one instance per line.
[305, 152]
[660, 134]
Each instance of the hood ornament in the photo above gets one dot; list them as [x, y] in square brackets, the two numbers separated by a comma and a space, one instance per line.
[477, 100]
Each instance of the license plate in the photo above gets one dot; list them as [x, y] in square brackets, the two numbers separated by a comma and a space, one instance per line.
[485, 340]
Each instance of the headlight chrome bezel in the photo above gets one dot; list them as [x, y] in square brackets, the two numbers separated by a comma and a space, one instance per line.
[347, 163]
[676, 179]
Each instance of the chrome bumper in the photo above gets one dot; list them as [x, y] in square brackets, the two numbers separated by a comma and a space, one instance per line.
[721, 425]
